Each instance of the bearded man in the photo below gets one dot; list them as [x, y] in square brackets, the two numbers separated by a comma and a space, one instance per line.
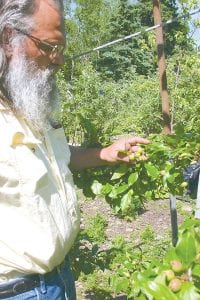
[39, 215]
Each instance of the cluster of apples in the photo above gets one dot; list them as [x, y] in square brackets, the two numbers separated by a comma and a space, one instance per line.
[139, 155]
[176, 276]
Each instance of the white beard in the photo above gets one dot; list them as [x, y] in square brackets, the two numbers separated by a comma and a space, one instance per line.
[33, 92]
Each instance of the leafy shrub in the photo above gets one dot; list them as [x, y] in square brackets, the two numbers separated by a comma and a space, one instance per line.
[154, 174]
[94, 110]
[96, 228]
[177, 277]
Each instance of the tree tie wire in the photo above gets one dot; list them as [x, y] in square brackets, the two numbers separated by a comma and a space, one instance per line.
[163, 24]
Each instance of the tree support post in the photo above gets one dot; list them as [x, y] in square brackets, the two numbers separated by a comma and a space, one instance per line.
[174, 223]
[162, 68]
[165, 104]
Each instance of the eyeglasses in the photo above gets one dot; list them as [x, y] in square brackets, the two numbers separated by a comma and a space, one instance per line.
[54, 50]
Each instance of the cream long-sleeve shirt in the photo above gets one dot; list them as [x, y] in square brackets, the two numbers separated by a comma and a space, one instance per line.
[39, 214]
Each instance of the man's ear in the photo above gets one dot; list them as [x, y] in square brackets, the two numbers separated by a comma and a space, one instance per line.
[6, 41]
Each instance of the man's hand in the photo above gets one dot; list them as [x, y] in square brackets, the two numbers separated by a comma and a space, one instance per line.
[119, 151]
[122, 150]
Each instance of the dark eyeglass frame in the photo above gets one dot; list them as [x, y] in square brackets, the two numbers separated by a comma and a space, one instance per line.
[54, 50]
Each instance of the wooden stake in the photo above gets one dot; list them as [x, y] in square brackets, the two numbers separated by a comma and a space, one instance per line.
[165, 105]
[162, 68]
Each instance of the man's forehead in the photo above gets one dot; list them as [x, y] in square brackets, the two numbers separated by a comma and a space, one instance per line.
[53, 4]
[48, 17]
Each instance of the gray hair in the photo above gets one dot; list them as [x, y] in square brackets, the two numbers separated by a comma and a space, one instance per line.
[17, 13]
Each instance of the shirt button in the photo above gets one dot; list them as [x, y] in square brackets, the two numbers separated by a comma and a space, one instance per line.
[33, 150]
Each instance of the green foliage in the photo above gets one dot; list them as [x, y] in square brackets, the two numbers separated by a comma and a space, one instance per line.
[147, 234]
[134, 110]
[86, 115]
[95, 110]
[93, 17]
[96, 228]
[141, 270]
[86, 28]
[183, 260]
[107, 271]
[184, 84]
[93, 23]
[82, 108]
[139, 54]
[154, 174]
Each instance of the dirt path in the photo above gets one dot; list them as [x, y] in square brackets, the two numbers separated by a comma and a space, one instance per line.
[156, 214]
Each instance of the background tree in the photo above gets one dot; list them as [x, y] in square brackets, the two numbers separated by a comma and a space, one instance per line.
[96, 108]
[139, 54]
[87, 24]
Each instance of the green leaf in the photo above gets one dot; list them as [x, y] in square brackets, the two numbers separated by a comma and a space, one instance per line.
[121, 189]
[126, 201]
[117, 190]
[171, 178]
[186, 249]
[119, 283]
[171, 255]
[196, 270]
[106, 189]
[161, 292]
[96, 187]
[190, 223]
[158, 291]
[152, 171]
[189, 292]
[121, 171]
[161, 278]
[148, 194]
[133, 178]
[113, 193]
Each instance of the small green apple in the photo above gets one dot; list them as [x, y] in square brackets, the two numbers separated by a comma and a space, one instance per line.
[184, 184]
[176, 266]
[175, 285]
[169, 274]
[132, 156]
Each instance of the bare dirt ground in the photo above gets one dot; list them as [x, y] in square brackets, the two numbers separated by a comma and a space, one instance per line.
[155, 214]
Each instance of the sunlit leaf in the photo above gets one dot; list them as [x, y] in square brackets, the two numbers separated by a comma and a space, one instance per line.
[152, 171]
[189, 292]
[133, 178]
[158, 291]
[126, 201]
[96, 187]
[196, 270]
[121, 189]
[121, 171]
[186, 249]
[106, 189]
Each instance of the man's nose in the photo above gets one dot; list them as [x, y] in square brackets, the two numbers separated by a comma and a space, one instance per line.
[58, 59]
